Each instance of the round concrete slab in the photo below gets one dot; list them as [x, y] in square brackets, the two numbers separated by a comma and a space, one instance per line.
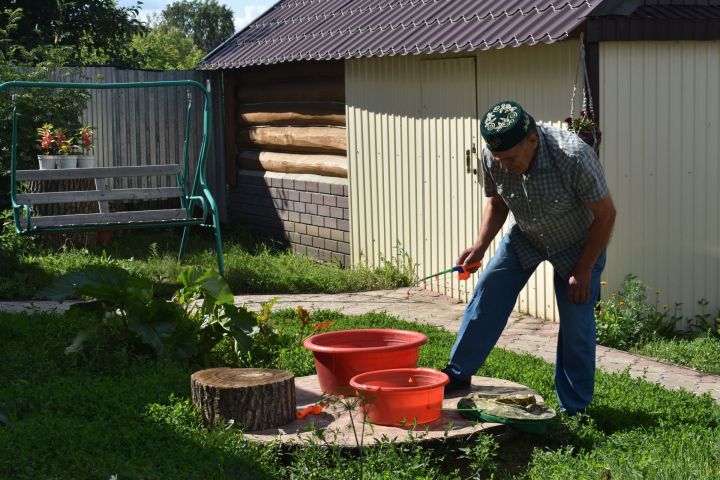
[336, 423]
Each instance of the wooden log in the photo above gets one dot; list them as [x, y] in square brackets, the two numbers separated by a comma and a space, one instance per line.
[323, 90]
[323, 140]
[255, 398]
[328, 165]
[292, 113]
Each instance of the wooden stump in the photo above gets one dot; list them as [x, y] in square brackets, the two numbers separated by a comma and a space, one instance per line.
[255, 398]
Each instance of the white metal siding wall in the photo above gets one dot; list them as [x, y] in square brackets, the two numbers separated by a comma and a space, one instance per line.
[409, 114]
[660, 118]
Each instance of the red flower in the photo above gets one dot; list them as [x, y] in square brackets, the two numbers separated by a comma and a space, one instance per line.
[59, 138]
[46, 140]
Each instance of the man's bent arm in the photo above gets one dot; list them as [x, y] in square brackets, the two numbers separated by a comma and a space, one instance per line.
[599, 233]
[597, 239]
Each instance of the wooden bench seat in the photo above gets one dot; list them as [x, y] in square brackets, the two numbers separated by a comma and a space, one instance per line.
[92, 221]
[103, 195]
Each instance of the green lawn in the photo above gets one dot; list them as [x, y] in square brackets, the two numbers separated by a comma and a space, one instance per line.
[110, 413]
[251, 265]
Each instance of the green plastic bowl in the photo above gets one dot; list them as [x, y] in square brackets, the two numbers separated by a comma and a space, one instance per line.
[529, 426]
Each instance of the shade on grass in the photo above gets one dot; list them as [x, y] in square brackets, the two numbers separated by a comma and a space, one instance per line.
[251, 265]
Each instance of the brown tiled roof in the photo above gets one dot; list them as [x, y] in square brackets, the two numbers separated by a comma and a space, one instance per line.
[295, 30]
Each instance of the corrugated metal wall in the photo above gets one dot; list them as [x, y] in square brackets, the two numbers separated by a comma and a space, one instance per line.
[146, 126]
[411, 120]
[660, 104]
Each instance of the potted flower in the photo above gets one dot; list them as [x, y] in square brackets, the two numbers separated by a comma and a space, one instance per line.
[585, 127]
[65, 148]
[85, 136]
[48, 160]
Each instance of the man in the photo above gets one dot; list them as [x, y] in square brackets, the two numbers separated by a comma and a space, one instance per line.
[553, 184]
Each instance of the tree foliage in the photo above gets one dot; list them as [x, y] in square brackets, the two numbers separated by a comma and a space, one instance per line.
[98, 31]
[206, 21]
[166, 48]
[34, 106]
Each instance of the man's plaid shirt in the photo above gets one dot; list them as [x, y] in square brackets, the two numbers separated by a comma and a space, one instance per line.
[547, 202]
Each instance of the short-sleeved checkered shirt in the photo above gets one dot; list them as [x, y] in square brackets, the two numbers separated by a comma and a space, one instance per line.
[547, 202]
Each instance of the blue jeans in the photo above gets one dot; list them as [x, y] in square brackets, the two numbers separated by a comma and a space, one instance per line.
[487, 313]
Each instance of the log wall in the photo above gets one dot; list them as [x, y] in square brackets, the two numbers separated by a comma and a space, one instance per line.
[286, 144]
[296, 108]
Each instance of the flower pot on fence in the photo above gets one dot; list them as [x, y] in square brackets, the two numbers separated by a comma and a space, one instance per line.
[67, 161]
[47, 162]
[85, 161]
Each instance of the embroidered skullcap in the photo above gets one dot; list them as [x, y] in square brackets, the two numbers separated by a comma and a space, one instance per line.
[505, 125]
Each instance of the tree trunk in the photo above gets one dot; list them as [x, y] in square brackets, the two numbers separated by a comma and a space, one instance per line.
[255, 398]
[328, 165]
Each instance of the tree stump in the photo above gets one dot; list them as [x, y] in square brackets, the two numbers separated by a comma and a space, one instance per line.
[255, 398]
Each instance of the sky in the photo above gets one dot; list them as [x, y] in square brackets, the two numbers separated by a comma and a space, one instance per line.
[245, 11]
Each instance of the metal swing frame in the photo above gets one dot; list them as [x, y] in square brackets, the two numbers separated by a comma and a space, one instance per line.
[198, 195]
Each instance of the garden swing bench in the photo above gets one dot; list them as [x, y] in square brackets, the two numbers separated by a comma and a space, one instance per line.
[198, 195]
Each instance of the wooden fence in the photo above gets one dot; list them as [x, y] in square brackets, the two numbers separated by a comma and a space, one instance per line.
[146, 126]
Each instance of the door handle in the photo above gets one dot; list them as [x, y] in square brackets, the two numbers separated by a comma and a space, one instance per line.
[468, 161]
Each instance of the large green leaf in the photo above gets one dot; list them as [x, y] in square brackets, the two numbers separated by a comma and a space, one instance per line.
[240, 319]
[156, 326]
[212, 284]
[78, 343]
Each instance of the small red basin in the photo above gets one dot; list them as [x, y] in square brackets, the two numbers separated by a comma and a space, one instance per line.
[341, 355]
[401, 396]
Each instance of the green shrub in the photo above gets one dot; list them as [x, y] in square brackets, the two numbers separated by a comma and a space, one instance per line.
[627, 320]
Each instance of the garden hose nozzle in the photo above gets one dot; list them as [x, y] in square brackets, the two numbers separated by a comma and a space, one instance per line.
[464, 272]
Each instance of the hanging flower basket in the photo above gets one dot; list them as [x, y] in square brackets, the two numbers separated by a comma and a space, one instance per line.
[587, 129]
[592, 140]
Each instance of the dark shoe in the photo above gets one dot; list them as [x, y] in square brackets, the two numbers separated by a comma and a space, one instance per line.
[456, 384]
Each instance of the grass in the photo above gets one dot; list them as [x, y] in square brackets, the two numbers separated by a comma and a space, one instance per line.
[112, 414]
[251, 266]
[702, 353]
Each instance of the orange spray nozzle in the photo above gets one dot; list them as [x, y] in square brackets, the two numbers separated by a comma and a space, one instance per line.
[464, 271]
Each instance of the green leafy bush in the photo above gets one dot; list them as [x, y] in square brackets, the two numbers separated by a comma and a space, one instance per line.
[627, 320]
[201, 319]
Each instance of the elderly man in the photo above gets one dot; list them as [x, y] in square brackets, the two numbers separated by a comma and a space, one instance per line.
[554, 186]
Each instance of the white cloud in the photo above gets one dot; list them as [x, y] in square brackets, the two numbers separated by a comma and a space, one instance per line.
[251, 12]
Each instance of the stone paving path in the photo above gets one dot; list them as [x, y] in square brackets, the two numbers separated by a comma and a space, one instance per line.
[523, 334]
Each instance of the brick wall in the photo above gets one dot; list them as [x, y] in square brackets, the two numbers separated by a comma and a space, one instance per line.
[309, 212]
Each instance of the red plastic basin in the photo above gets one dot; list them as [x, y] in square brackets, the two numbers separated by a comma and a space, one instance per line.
[401, 396]
[341, 355]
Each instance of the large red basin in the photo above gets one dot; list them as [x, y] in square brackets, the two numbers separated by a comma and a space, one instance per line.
[401, 397]
[341, 355]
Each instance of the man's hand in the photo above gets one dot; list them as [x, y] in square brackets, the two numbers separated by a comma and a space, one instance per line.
[471, 255]
[579, 284]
